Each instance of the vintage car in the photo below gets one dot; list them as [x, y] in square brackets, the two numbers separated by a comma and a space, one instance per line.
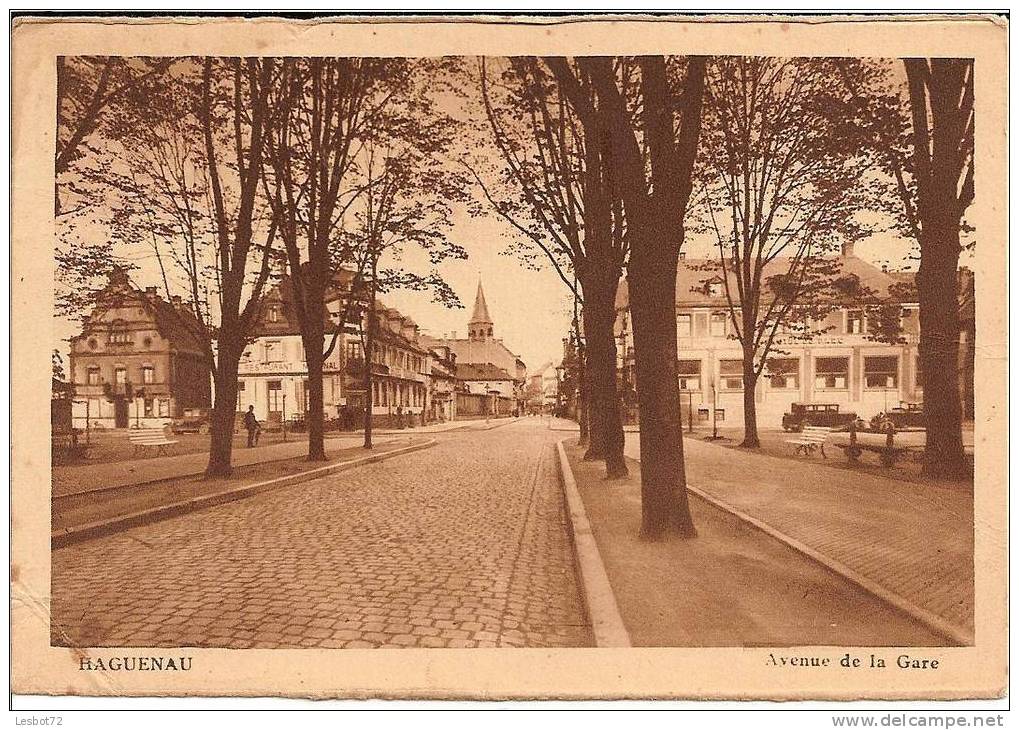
[194, 420]
[907, 415]
[816, 414]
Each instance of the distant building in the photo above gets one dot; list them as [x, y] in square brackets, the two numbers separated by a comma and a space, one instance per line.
[841, 364]
[493, 389]
[274, 370]
[138, 361]
[482, 347]
[442, 385]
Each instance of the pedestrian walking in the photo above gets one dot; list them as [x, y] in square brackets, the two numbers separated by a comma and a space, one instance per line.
[252, 426]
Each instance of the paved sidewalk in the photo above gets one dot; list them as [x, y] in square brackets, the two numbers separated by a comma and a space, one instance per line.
[732, 585]
[89, 477]
[914, 540]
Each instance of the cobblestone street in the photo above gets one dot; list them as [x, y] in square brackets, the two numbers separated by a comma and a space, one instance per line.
[460, 545]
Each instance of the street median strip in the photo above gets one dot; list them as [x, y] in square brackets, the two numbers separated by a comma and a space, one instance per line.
[932, 621]
[90, 530]
[603, 611]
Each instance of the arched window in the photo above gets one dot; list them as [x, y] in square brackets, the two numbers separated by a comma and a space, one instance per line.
[148, 373]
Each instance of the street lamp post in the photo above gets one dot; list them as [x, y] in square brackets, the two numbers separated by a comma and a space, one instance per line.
[284, 424]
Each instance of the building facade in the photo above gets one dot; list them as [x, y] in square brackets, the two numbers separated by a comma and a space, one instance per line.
[482, 347]
[273, 374]
[273, 371]
[137, 362]
[842, 362]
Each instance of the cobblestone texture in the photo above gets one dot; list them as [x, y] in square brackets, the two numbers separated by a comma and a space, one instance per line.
[461, 545]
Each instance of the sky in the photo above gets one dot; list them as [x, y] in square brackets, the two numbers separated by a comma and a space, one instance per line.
[531, 308]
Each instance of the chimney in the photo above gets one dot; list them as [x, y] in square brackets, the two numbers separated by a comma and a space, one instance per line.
[682, 255]
[884, 268]
[847, 249]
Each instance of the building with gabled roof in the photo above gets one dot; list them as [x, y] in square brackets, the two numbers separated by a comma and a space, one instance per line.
[482, 347]
[139, 360]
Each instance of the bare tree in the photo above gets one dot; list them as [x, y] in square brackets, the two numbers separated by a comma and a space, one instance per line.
[655, 188]
[191, 155]
[560, 194]
[410, 184]
[323, 106]
[781, 187]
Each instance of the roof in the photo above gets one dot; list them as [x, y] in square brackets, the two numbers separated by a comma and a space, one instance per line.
[692, 275]
[482, 351]
[480, 307]
[481, 371]
[176, 322]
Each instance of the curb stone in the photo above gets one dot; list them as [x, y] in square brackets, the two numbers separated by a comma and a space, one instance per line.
[603, 612]
[91, 530]
[932, 621]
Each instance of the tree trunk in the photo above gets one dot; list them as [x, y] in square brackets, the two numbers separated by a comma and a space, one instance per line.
[369, 346]
[938, 290]
[315, 402]
[606, 422]
[594, 376]
[664, 504]
[750, 438]
[221, 427]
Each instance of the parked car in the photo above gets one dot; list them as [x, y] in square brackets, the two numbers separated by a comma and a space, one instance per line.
[816, 414]
[194, 420]
[907, 415]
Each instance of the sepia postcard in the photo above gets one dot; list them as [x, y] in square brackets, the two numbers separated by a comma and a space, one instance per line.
[577, 357]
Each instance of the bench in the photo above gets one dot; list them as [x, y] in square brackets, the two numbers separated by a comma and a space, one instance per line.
[810, 438]
[889, 454]
[141, 438]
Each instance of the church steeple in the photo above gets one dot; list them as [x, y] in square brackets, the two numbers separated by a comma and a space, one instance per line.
[480, 326]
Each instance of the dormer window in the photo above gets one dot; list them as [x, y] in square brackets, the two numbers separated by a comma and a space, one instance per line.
[715, 289]
[119, 334]
[274, 313]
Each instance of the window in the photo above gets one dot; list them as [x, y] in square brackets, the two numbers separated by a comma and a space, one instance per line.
[718, 324]
[164, 407]
[732, 374]
[684, 325]
[719, 414]
[273, 351]
[784, 373]
[120, 375]
[240, 395]
[274, 313]
[354, 351]
[716, 289]
[831, 373]
[148, 374]
[119, 334]
[689, 374]
[703, 414]
[881, 372]
[854, 322]
[275, 396]
[149, 402]
[93, 375]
